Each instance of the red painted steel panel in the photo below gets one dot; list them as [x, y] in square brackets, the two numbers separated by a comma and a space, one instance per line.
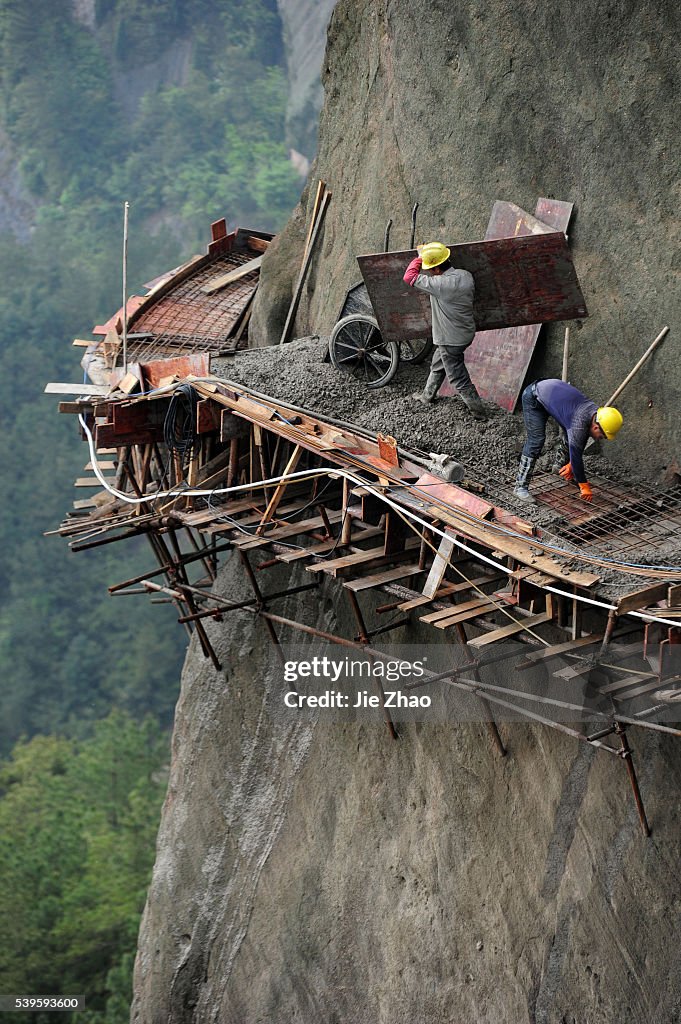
[456, 497]
[517, 281]
[498, 360]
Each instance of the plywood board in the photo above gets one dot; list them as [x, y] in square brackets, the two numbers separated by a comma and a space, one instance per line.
[510, 630]
[498, 359]
[523, 280]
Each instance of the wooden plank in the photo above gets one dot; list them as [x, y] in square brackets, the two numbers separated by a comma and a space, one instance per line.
[510, 630]
[259, 244]
[445, 590]
[245, 521]
[76, 389]
[498, 359]
[328, 545]
[93, 481]
[196, 519]
[321, 189]
[106, 434]
[513, 522]
[557, 649]
[439, 566]
[307, 256]
[538, 579]
[340, 565]
[278, 533]
[281, 487]
[233, 275]
[455, 609]
[471, 613]
[207, 416]
[674, 595]
[75, 408]
[101, 465]
[641, 598]
[523, 280]
[379, 578]
[522, 551]
[129, 382]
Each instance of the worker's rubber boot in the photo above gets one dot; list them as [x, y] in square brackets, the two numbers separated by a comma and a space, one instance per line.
[471, 399]
[433, 385]
[525, 470]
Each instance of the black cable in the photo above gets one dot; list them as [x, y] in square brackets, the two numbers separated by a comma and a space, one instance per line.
[179, 426]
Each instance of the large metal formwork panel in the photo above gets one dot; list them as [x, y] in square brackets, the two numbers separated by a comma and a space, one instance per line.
[522, 280]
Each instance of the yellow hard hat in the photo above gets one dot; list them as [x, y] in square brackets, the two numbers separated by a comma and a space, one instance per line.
[609, 420]
[433, 254]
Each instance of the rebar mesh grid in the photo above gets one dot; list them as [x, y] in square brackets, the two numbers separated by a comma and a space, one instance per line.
[186, 319]
[638, 526]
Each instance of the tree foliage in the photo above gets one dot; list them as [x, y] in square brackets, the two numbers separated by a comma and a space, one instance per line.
[77, 828]
[79, 808]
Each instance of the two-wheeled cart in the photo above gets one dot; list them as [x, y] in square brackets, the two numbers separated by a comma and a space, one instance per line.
[357, 346]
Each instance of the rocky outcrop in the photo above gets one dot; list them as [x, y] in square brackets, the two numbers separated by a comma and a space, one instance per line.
[304, 23]
[17, 207]
[456, 106]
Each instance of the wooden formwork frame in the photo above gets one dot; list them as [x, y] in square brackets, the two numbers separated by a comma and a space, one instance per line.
[244, 442]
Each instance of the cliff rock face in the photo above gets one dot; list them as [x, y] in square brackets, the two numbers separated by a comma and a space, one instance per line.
[456, 105]
[304, 23]
[17, 207]
[324, 872]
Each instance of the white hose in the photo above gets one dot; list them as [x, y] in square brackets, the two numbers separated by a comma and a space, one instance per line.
[309, 474]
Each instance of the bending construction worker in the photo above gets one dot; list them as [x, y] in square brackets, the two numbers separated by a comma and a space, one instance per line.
[580, 419]
[451, 301]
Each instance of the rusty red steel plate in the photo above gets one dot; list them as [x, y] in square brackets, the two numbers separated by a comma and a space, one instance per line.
[435, 488]
[498, 360]
[525, 280]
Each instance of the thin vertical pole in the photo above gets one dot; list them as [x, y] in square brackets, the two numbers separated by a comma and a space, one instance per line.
[566, 353]
[126, 208]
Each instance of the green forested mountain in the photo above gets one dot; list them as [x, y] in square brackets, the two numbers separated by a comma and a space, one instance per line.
[176, 106]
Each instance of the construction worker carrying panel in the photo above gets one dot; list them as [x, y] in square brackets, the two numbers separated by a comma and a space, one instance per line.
[580, 419]
[451, 301]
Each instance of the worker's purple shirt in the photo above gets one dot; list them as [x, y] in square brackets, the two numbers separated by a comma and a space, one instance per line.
[574, 411]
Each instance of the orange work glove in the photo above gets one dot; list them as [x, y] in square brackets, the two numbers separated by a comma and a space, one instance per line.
[566, 472]
[585, 492]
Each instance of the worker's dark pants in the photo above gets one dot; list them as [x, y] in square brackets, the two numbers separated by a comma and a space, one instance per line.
[536, 418]
[448, 362]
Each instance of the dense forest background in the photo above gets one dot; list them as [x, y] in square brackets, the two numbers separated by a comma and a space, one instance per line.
[177, 106]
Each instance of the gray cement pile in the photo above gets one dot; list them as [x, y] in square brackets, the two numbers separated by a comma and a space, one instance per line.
[298, 373]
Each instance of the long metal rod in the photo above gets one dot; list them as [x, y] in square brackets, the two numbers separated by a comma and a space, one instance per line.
[126, 208]
[492, 727]
[625, 752]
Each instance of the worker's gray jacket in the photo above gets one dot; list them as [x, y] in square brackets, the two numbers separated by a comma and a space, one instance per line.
[451, 303]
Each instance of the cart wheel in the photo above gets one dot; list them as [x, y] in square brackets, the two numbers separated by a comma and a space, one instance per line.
[356, 347]
[415, 351]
